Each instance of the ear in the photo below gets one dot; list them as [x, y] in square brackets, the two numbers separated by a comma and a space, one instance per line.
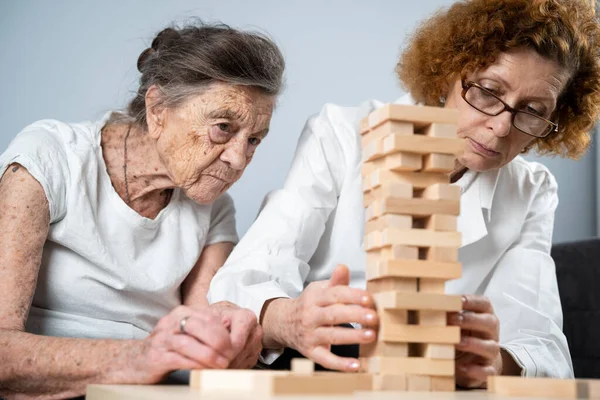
[156, 115]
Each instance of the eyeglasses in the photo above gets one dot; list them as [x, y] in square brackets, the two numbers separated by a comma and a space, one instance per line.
[488, 103]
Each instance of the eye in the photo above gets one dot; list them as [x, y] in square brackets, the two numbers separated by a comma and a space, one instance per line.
[254, 141]
[532, 110]
[224, 127]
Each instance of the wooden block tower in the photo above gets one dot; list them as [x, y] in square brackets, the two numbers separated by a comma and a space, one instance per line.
[412, 245]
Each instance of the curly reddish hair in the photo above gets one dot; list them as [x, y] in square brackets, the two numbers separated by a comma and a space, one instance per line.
[470, 34]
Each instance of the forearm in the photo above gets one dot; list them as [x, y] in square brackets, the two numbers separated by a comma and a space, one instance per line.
[275, 319]
[49, 367]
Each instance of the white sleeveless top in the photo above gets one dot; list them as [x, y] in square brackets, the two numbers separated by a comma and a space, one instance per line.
[106, 271]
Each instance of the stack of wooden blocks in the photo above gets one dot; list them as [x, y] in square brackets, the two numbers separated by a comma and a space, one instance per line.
[412, 245]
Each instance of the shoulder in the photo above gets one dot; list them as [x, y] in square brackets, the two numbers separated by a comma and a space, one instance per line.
[530, 174]
[527, 180]
[54, 134]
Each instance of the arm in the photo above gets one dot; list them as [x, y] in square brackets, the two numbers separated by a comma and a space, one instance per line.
[529, 308]
[195, 287]
[48, 367]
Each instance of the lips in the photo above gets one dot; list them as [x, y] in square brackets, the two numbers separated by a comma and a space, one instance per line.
[218, 178]
[478, 147]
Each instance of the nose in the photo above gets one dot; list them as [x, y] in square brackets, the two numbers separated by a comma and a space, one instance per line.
[501, 124]
[235, 154]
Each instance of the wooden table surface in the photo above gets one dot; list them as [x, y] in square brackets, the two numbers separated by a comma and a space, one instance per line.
[182, 392]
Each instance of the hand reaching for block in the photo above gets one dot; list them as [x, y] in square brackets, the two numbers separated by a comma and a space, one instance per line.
[478, 353]
[311, 322]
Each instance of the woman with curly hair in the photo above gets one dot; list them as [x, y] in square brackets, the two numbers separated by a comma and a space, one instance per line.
[524, 75]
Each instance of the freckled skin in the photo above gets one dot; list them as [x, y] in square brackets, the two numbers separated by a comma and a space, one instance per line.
[529, 75]
[186, 147]
[202, 159]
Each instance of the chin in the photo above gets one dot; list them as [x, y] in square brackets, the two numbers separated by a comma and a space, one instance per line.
[475, 162]
[203, 197]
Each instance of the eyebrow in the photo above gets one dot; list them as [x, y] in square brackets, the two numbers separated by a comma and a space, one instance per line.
[226, 114]
[507, 86]
[263, 134]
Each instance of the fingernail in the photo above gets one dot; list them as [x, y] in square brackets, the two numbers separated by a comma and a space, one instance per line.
[463, 299]
[369, 317]
[369, 334]
[222, 362]
[354, 365]
[365, 300]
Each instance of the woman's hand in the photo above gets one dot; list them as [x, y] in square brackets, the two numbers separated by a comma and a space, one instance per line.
[186, 338]
[245, 333]
[316, 314]
[478, 354]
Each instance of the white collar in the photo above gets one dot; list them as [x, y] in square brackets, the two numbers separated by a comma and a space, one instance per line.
[477, 190]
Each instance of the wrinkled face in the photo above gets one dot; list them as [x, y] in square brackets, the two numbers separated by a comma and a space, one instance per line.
[207, 142]
[525, 81]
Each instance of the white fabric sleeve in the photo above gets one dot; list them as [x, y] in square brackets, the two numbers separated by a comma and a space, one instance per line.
[271, 260]
[222, 221]
[524, 292]
[39, 149]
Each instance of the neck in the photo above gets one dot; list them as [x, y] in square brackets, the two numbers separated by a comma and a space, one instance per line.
[145, 172]
[140, 178]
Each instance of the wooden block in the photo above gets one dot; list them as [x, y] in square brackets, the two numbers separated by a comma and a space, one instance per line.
[383, 349]
[274, 383]
[443, 384]
[441, 130]
[537, 387]
[433, 318]
[436, 162]
[436, 303]
[420, 116]
[411, 237]
[415, 207]
[432, 286]
[386, 129]
[407, 365]
[363, 126]
[389, 221]
[392, 284]
[396, 252]
[419, 334]
[437, 351]
[216, 381]
[418, 144]
[442, 191]
[392, 190]
[419, 180]
[441, 254]
[392, 318]
[418, 383]
[400, 162]
[321, 383]
[389, 382]
[414, 269]
[441, 223]
[303, 366]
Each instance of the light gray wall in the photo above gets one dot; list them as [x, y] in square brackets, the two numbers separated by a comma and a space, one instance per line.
[74, 60]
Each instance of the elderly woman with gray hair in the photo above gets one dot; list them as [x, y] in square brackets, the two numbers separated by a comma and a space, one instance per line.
[110, 231]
